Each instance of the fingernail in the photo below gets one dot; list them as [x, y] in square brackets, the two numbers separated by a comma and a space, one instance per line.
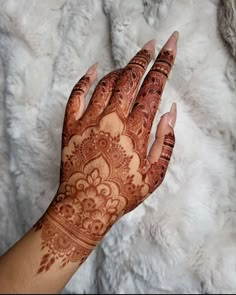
[172, 41]
[92, 69]
[150, 45]
[172, 115]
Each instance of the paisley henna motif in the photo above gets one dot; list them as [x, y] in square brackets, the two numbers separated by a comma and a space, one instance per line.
[104, 159]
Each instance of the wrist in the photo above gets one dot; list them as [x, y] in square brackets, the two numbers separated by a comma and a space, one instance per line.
[88, 206]
[79, 214]
[69, 231]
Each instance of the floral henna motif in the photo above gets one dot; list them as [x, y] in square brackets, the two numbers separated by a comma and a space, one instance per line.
[89, 199]
[104, 165]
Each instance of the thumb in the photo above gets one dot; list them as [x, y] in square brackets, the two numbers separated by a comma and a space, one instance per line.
[165, 127]
[161, 150]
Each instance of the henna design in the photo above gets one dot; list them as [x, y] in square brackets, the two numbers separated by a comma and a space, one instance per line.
[126, 86]
[147, 103]
[89, 200]
[98, 102]
[73, 106]
[159, 168]
[104, 165]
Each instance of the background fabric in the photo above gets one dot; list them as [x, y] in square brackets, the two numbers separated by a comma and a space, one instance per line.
[183, 238]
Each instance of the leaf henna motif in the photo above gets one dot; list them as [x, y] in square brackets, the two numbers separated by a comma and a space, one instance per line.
[103, 173]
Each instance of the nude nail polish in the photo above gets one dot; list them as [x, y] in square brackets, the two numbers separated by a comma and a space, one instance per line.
[150, 45]
[172, 115]
[172, 41]
[92, 69]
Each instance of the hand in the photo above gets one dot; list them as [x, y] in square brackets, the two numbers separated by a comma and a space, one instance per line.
[105, 169]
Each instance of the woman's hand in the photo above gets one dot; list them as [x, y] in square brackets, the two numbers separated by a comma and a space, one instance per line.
[105, 169]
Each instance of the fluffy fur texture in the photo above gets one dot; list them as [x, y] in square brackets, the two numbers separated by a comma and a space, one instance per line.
[183, 238]
[227, 23]
[227, 26]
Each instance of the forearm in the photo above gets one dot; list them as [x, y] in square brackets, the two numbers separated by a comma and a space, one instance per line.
[20, 268]
[45, 259]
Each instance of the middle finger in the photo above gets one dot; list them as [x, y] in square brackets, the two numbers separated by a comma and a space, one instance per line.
[149, 96]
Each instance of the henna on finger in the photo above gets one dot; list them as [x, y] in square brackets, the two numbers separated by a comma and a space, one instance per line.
[127, 85]
[73, 108]
[160, 167]
[99, 100]
[149, 97]
[76, 103]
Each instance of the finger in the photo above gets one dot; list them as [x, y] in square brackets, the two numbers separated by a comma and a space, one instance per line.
[127, 85]
[100, 98]
[161, 150]
[76, 103]
[164, 127]
[149, 96]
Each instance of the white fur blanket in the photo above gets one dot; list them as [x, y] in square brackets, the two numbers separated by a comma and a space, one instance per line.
[183, 238]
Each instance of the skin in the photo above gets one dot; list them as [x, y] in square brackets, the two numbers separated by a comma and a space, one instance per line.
[106, 171]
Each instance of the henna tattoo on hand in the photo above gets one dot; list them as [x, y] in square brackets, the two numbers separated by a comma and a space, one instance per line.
[105, 172]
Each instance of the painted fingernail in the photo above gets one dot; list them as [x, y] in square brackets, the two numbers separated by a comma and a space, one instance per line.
[172, 115]
[150, 45]
[172, 41]
[92, 69]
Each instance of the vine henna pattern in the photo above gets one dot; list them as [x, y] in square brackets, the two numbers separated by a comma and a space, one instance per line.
[105, 172]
